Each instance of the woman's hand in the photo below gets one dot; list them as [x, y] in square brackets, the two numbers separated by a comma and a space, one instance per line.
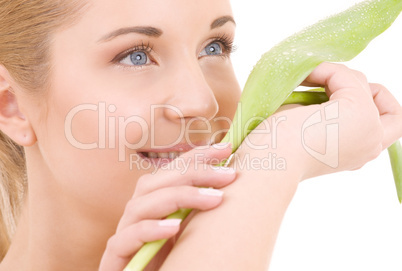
[158, 195]
[359, 121]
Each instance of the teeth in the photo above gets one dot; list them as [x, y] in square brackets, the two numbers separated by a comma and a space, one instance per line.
[169, 155]
[152, 155]
[163, 155]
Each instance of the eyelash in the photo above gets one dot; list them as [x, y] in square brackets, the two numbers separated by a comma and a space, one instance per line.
[224, 40]
[146, 48]
[227, 44]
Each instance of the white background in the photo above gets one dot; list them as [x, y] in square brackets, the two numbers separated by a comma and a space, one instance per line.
[344, 221]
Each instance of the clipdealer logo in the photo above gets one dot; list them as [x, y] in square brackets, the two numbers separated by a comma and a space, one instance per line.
[112, 131]
[330, 155]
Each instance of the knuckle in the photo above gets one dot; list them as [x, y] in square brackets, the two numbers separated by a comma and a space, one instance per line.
[184, 175]
[131, 208]
[139, 185]
[376, 152]
[182, 196]
[141, 227]
[380, 133]
[194, 178]
[377, 89]
[377, 86]
[375, 148]
[143, 180]
[376, 134]
[142, 184]
[361, 76]
[398, 110]
[342, 66]
[112, 244]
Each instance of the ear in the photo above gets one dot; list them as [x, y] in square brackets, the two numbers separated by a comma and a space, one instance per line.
[12, 122]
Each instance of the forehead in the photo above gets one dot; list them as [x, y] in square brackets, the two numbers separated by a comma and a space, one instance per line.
[107, 14]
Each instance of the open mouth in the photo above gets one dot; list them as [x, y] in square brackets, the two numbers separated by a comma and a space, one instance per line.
[160, 157]
[165, 155]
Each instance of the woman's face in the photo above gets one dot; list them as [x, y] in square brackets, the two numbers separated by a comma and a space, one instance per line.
[134, 79]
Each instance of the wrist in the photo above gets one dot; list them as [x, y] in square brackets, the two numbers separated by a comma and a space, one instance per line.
[312, 138]
[300, 139]
[271, 147]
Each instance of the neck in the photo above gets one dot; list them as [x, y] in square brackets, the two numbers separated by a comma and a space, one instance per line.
[55, 232]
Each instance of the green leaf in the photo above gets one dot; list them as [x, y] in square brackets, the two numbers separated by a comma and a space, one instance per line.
[336, 39]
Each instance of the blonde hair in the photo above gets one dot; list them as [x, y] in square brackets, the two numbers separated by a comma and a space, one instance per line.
[26, 28]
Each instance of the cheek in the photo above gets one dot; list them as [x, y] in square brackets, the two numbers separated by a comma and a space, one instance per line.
[93, 178]
[78, 151]
[81, 126]
[79, 142]
[99, 111]
[107, 126]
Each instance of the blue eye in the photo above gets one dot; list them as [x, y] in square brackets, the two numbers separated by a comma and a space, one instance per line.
[212, 49]
[137, 58]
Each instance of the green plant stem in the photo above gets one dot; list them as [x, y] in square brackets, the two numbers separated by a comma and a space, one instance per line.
[395, 156]
[149, 250]
[314, 96]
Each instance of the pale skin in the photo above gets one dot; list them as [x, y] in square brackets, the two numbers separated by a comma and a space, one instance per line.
[85, 210]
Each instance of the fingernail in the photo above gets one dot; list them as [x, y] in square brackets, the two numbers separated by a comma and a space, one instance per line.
[221, 146]
[169, 222]
[224, 170]
[210, 192]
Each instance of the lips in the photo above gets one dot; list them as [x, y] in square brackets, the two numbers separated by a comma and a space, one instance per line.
[168, 155]
[159, 159]
[163, 156]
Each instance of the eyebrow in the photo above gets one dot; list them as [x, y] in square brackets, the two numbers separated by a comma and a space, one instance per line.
[156, 32]
[145, 30]
[221, 21]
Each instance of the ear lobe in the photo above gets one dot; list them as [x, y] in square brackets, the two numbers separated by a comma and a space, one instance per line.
[12, 122]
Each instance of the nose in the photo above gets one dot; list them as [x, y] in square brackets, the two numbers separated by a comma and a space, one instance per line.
[190, 94]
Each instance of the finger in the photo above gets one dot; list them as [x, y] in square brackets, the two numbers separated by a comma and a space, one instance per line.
[165, 201]
[309, 84]
[384, 100]
[122, 246]
[339, 81]
[390, 114]
[190, 170]
[213, 154]
[392, 129]
[201, 176]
